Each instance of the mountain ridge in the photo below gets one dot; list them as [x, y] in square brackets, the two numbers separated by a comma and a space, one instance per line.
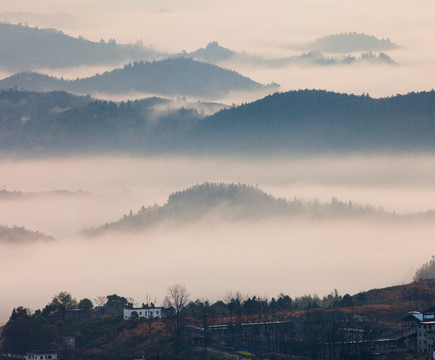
[173, 76]
[296, 122]
[26, 48]
[229, 202]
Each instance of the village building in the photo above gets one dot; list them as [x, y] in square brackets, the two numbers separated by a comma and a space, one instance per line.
[143, 312]
[424, 325]
[41, 356]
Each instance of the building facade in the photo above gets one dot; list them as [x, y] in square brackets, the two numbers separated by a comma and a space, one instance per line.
[426, 338]
[144, 312]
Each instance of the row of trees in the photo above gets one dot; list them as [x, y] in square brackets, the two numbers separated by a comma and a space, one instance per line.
[25, 330]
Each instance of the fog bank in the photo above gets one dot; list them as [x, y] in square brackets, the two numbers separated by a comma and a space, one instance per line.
[210, 257]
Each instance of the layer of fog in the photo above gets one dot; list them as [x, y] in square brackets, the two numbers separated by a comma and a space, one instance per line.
[266, 258]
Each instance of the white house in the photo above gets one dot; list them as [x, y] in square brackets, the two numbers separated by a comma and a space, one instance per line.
[41, 356]
[144, 312]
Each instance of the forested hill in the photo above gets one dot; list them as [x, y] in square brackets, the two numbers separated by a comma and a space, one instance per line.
[314, 120]
[19, 235]
[176, 76]
[228, 202]
[351, 42]
[26, 48]
[305, 121]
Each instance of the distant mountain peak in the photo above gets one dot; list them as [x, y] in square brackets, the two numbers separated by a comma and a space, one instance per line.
[212, 53]
[227, 202]
[351, 42]
[173, 76]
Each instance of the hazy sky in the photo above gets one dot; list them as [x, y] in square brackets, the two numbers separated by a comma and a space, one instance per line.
[263, 28]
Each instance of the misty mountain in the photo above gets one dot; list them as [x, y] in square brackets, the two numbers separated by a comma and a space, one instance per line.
[351, 42]
[316, 121]
[21, 235]
[176, 76]
[317, 58]
[216, 54]
[228, 202]
[25, 48]
[6, 195]
[304, 121]
[49, 123]
[213, 53]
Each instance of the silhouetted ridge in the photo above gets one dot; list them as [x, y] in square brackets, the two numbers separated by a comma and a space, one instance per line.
[315, 120]
[352, 42]
[305, 121]
[227, 202]
[21, 235]
[212, 53]
[175, 76]
[26, 48]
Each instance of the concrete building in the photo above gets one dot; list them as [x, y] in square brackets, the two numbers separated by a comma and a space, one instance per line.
[426, 338]
[144, 312]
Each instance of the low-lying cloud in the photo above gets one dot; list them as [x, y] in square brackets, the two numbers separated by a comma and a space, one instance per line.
[211, 257]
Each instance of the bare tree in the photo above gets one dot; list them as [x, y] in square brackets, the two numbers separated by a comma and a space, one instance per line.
[131, 302]
[100, 301]
[207, 314]
[149, 302]
[175, 303]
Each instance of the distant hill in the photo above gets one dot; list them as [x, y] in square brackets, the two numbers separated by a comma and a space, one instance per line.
[313, 120]
[351, 42]
[23, 48]
[18, 235]
[176, 76]
[216, 54]
[304, 121]
[59, 123]
[426, 271]
[420, 293]
[230, 202]
[213, 53]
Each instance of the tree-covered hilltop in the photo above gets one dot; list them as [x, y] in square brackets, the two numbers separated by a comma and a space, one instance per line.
[19, 235]
[58, 123]
[30, 104]
[173, 76]
[426, 271]
[311, 121]
[26, 48]
[228, 202]
[351, 42]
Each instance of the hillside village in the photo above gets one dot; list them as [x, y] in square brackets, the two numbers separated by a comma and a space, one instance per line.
[378, 324]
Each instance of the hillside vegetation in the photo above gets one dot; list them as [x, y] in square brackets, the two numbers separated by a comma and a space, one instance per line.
[352, 42]
[175, 76]
[229, 202]
[304, 121]
[18, 235]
